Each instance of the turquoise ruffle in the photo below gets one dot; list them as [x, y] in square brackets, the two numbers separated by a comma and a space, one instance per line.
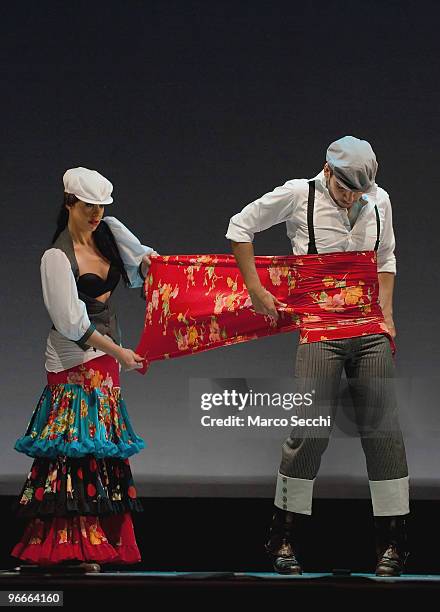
[70, 421]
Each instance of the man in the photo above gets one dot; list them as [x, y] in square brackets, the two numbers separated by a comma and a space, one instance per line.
[341, 209]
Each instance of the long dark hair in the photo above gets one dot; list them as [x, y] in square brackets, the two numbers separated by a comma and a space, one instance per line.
[103, 237]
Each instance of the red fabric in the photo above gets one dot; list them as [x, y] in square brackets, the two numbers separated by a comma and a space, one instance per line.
[200, 302]
[98, 372]
[108, 539]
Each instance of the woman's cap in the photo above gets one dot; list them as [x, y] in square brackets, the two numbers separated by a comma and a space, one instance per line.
[88, 186]
[353, 163]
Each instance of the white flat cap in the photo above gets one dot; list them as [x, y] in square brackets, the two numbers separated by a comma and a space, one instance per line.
[88, 186]
[353, 162]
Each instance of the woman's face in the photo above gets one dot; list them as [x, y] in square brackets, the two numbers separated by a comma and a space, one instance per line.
[84, 216]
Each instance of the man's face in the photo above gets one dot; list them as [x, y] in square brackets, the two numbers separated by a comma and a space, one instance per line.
[343, 197]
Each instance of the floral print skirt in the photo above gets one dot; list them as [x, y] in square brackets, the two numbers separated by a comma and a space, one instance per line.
[79, 495]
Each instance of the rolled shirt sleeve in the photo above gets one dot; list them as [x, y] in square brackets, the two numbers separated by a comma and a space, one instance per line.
[60, 295]
[272, 208]
[386, 259]
[130, 249]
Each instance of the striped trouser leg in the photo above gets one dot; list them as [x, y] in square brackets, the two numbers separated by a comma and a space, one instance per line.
[370, 375]
[318, 369]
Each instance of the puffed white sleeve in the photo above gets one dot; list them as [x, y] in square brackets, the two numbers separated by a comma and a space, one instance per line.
[272, 208]
[386, 259]
[60, 295]
[130, 249]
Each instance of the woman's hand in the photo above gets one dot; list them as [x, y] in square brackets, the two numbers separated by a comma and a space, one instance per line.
[129, 360]
[146, 262]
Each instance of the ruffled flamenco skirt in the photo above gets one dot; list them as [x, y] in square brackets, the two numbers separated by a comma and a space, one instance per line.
[79, 496]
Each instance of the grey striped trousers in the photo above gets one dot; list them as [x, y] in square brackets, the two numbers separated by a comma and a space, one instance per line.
[369, 368]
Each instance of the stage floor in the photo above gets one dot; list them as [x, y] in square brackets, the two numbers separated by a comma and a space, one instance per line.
[217, 575]
[138, 587]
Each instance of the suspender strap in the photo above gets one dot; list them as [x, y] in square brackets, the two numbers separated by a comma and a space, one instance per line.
[310, 207]
[376, 246]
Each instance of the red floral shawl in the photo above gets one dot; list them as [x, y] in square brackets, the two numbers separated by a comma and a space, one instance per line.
[199, 302]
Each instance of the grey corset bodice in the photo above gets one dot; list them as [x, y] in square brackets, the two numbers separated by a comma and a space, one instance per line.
[102, 315]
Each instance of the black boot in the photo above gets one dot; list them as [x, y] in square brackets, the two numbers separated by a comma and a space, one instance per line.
[391, 545]
[280, 545]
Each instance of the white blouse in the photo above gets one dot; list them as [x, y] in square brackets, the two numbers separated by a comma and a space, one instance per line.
[67, 311]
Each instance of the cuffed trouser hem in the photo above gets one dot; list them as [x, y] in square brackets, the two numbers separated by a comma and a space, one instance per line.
[390, 497]
[294, 494]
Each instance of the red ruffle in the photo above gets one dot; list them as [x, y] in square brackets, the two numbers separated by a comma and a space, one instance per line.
[108, 539]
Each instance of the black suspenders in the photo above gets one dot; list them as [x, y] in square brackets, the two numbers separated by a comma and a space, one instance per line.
[376, 246]
[310, 208]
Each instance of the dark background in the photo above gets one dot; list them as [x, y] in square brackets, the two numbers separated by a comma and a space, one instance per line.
[192, 110]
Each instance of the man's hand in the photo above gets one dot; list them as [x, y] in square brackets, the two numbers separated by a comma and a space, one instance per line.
[390, 324]
[386, 287]
[264, 302]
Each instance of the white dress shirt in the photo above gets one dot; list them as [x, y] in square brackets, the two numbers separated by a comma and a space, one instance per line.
[67, 311]
[333, 231]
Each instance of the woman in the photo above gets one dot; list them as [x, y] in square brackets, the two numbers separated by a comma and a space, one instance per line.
[79, 494]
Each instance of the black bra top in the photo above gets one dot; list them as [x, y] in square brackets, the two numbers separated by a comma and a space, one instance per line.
[94, 285]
